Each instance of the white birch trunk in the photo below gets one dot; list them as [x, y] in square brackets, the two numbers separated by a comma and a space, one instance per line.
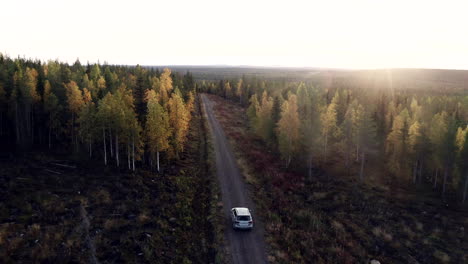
[157, 158]
[128, 155]
[110, 143]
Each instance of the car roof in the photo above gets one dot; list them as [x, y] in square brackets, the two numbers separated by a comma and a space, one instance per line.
[242, 210]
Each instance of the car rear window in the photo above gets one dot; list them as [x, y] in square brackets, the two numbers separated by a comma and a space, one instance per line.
[243, 218]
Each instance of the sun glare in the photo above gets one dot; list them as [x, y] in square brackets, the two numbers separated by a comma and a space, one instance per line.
[343, 34]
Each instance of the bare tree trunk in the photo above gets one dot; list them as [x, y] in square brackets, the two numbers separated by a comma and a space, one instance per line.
[357, 153]
[110, 143]
[32, 125]
[348, 159]
[73, 131]
[50, 132]
[128, 155]
[18, 137]
[420, 172]
[445, 179]
[310, 165]
[435, 179]
[157, 158]
[104, 139]
[133, 153]
[363, 159]
[117, 149]
[415, 170]
[325, 150]
[465, 188]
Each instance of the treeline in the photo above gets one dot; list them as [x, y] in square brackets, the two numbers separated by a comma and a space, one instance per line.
[408, 136]
[111, 112]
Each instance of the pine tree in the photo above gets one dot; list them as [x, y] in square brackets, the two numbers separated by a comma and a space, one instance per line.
[449, 149]
[252, 112]
[165, 86]
[30, 98]
[227, 90]
[415, 146]
[104, 120]
[288, 129]
[462, 162]
[157, 127]
[179, 121]
[365, 134]
[239, 90]
[52, 109]
[75, 103]
[264, 116]
[86, 120]
[397, 145]
[349, 129]
[3, 106]
[330, 130]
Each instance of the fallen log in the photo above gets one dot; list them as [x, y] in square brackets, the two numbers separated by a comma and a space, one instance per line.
[63, 165]
[51, 171]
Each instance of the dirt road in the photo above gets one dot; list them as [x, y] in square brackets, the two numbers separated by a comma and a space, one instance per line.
[243, 246]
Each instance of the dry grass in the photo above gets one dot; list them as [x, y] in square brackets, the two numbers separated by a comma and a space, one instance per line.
[442, 256]
[103, 197]
[248, 176]
[144, 217]
[319, 195]
[113, 224]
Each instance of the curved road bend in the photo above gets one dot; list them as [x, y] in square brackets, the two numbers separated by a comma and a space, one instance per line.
[243, 246]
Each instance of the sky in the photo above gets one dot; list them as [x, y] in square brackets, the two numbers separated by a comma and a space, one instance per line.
[332, 34]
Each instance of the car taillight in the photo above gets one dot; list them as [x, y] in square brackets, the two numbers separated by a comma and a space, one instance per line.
[250, 222]
[237, 222]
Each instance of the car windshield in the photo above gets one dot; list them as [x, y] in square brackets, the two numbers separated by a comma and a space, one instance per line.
[243, 218]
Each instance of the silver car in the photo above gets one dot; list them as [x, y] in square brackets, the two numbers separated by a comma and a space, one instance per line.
[241, 218]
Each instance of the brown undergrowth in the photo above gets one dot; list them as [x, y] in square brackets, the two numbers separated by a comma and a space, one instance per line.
[330, 219]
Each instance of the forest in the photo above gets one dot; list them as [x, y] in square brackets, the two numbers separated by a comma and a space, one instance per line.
[120, 114]
[344, 165]
[396, 128]
[352, 166]
[103, 163]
